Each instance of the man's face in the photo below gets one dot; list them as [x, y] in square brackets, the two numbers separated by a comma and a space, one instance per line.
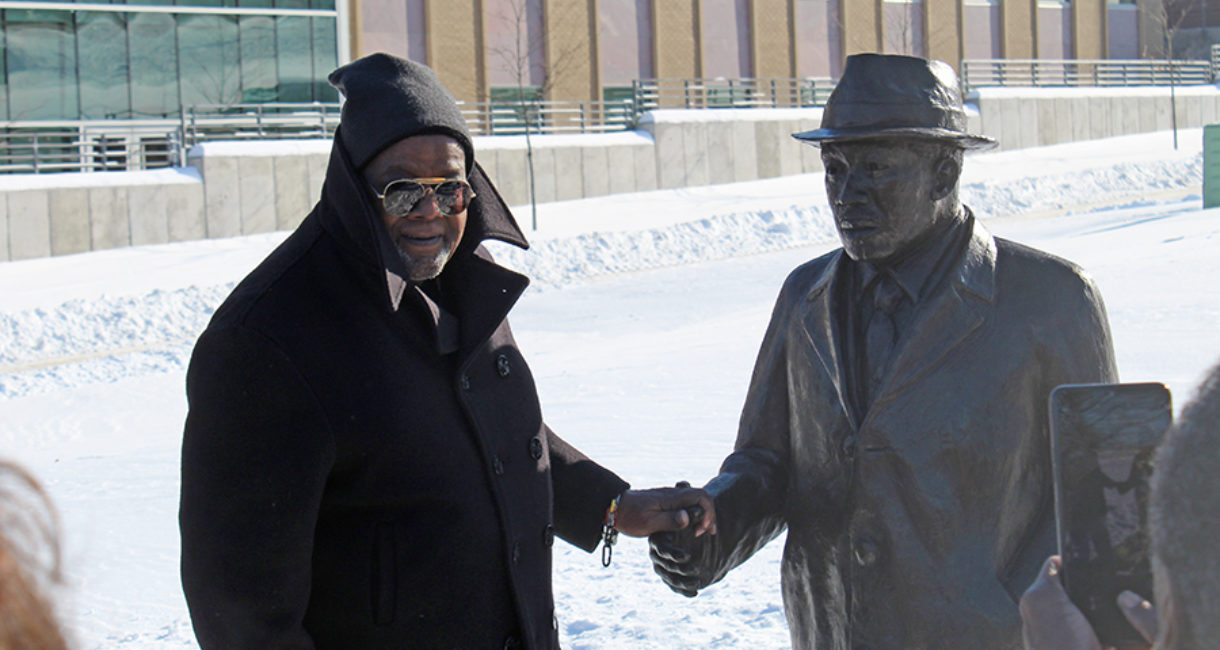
[425, 237]
[881, 193]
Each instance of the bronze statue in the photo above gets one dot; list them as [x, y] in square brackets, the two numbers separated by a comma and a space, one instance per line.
[896, 422]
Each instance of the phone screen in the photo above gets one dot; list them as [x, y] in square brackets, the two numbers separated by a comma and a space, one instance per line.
[1104, 438]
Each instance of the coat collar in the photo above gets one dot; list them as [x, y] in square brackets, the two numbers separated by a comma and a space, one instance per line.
[943, 320]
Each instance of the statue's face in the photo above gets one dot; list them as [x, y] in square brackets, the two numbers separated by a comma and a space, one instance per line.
[882, 195]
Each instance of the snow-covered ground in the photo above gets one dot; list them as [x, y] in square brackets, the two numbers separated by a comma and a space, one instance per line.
[641, 329]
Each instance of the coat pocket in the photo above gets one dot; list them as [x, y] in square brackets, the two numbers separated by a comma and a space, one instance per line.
[384, 580]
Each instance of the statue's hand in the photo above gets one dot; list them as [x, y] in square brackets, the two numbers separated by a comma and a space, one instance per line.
[672, 558]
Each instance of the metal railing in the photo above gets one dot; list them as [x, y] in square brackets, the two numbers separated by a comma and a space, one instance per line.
[649, 94]
[210, 122]
[46, 147]
[977, 73]
[512, 118]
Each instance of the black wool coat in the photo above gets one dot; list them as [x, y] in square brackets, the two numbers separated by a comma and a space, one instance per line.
[918, 523]
[347, 485]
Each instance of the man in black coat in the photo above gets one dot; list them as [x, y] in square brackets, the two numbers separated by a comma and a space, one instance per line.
[896, 423]
[365, 464]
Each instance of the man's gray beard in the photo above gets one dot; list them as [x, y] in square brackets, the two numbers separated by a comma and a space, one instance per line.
[426, 269]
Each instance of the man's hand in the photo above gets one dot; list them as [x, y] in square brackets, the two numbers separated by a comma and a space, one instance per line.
[1051, 622]
[644, 512]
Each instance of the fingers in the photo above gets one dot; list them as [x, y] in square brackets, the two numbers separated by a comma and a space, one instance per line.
[1140, 613]
[1049, 620]
[644, 512]
[706, 523]
[672, 565]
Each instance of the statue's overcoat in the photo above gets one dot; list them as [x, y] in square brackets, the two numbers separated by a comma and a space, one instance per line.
[919, 522]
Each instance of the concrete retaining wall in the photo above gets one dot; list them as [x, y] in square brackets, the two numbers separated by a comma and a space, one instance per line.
[1021, 117]
[61, 214]
[239, 188]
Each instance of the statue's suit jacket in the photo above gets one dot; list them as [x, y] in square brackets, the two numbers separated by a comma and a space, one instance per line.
[918, 523]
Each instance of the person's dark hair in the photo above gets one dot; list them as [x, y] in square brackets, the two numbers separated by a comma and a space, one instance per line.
[29, 563]
[1184, 517]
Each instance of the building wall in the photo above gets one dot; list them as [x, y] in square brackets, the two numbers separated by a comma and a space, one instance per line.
[862, 26]
[570, 46]
[458, 58]
[677, 54]
[943, 29]
[1018, 24]
[984, 34]
[819, 43]
[513, 29]
[1123, 37]
[625, 36]
[771, 33]
[1088, 25]
[903, 27]
[1054, 30]
[724, 26]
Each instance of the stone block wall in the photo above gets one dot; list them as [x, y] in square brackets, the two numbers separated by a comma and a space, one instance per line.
[62, 214]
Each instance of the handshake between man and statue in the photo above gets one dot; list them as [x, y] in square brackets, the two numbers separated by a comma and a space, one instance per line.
[365, 463]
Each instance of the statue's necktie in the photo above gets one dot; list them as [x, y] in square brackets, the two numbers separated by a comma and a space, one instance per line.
[882, 332]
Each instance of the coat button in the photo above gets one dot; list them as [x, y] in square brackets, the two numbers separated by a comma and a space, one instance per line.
[497, 466]
[866, 552]
[502, 366]
[516, 552]
[535, 448]
[849, 446]
[548, 536]
[465, 382]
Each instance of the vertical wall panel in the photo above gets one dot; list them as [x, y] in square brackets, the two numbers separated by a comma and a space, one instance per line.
[569, 29]
[676, 50]
[943, 31]
[771, 23]
[456, 58]
[861, 26]
[383, 25]
[724, 26]
[1017, 21]
[819, 42]
[1088, 29]
[624, 36]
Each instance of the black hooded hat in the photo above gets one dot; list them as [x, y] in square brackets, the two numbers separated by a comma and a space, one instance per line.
[387, 99]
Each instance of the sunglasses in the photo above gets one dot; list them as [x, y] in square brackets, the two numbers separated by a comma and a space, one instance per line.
[400, 197]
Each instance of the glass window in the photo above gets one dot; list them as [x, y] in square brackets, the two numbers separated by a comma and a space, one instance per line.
[3, 71]
[40, 56]
[101, 39]
[294, 58]
[324, 59]
[258, 78]
[208, 59]
[152, 40]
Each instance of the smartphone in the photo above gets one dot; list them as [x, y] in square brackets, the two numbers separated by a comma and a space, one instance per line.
[1103, 440]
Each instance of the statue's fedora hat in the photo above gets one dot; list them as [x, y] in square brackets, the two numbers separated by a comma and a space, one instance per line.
[887, 96]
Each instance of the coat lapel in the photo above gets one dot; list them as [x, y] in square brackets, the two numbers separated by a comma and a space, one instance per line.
[822, 329]
[951, 314]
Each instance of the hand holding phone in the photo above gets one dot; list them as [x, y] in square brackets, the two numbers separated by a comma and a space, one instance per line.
[1103, 439]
